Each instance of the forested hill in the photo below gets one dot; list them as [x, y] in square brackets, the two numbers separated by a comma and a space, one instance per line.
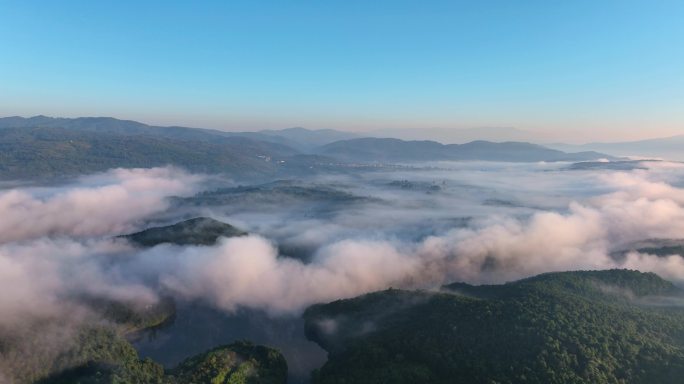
[46, 151]
[613, 326]
[196, 231]
[394, 150]
[43, 147]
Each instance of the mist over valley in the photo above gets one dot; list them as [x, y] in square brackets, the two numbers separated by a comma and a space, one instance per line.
[168, 262]
[341, 192]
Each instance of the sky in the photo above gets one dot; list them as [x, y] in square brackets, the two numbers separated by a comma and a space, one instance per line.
[582, 70]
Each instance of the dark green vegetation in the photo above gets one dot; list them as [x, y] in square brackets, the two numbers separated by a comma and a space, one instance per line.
[570, 327]
[236, 363]
[98, 352]
[101, 355]
[132, 317]
[86, 344]
[197, 231]
[113, 360]
[51, 147]
[34, 152]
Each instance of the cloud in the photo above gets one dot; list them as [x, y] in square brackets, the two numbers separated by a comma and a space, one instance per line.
[55, 242]
[494, 249]
[358, 249]
[46, 277]
[247, 272]
[99, 205]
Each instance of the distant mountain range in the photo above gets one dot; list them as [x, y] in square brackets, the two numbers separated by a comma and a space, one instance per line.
[461, 135]
[395, 150]
[45, 146]
[298, 138]
[308, 138]
[671, 148]
[52, 152]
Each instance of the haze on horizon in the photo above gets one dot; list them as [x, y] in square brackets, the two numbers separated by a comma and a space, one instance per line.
[576, 71]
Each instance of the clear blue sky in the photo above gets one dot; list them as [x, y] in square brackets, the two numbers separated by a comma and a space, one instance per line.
[594, 67]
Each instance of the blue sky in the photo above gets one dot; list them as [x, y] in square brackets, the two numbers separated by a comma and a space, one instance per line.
[597, 69]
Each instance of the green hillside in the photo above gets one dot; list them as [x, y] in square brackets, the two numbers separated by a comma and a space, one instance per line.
[48, 151]
[111, 360]
[237, 363]
[42, 347]
[197, 231]
[56, 147]
[613, 326]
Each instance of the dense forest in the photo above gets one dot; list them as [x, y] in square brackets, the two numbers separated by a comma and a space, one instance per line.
[53, 147]
[195, 231]
[112, 360]
[614, 326]
[99, 352]
[47, 152]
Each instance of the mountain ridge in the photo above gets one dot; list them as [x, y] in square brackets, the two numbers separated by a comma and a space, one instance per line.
[390, 149]
[665, 147]
[42, 146]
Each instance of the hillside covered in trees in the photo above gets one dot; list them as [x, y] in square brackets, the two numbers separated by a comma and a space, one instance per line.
[195, 231]
[41, 146]
[615, 326]
[101, 353]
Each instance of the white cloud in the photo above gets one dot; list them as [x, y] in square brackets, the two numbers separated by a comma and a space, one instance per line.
[99, 205]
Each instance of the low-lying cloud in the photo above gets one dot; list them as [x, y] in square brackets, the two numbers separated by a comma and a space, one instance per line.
[46, 259]
[98, 205]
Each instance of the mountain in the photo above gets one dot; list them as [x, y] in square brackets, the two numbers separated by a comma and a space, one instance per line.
[307, 138]
[43, 146]
[50, 151]
[668, 148]
[383, 150]
[462, 135]
[111, 125]
[298, 138]
[395, 150]
[614, 326]
[197, 231]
